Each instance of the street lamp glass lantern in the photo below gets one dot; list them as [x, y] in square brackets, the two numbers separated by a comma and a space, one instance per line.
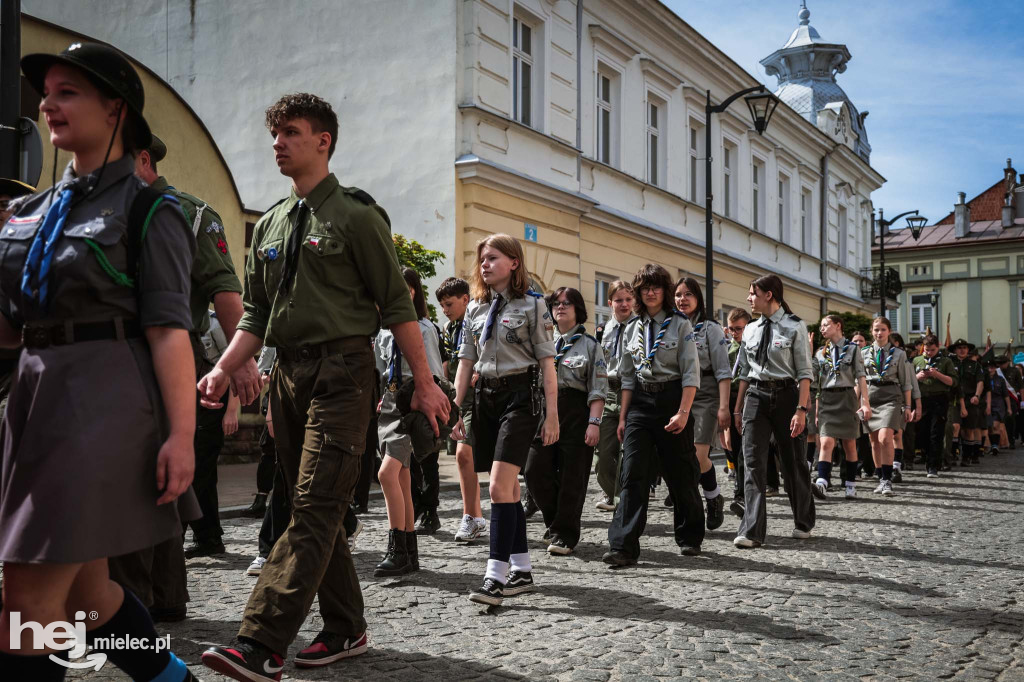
[934, 299]
[916, 223]
[761, 105]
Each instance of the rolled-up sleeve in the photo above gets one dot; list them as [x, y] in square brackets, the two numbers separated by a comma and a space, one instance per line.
[542, 335]
[627, 373]
[915, 390]
[858, 366]
[255, 302]
[742, 363]
[378, 265]
[903, 373]
[597, 381]
[166, 266]
[467, 349]
[686, 355]
[718, 349]
[802, 354]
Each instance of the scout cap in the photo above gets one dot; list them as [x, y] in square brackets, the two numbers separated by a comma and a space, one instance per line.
[15, 188]
[107, 68]
[416, 424]
[157, 150]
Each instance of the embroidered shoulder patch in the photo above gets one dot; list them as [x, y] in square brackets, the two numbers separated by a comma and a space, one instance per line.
[214, 227]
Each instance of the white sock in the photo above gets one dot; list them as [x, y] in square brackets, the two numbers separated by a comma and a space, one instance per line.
[712, 494]
[850, 485]
[897, 465]
[497, 571]
[821, 481]
[480, 521]
[521, 562]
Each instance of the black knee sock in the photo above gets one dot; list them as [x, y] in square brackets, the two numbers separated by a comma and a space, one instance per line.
[503, 529]
[851, 472]
[886, 472]
[133, 620]
[898, 456]
[708, 480]
[519, 538]
[825, 471]
[810, 452]
[33, 668]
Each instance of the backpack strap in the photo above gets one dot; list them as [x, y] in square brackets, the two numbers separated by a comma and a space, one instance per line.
[143, 207]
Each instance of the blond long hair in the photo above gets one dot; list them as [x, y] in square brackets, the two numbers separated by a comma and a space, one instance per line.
[511, 247]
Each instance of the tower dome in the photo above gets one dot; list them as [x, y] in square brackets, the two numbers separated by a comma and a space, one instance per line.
[806, 67]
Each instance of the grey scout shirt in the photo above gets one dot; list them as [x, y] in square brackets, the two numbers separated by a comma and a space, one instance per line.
[522, 335]
[789, 351]
[675, 357]
[384, 344]
[712, 349]
[839, 365]
[896, 371]
[613, 341]
[582, 365]
[915, 387]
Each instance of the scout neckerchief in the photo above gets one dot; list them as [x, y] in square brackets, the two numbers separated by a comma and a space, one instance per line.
[652, 342]
[492, 317]
[561, 348]
[932, 362]
[617, 350]
[395, 366]
[830, 361]
[36, 274]
[876, 360]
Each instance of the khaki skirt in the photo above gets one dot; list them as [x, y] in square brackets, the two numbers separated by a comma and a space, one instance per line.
[704, 411]
[886, 407]
[837, 414]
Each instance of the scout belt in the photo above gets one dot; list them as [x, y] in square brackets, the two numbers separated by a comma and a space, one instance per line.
[772, 384]
[655, 386]
[44, 336]
[878, 382]
[512, 382]
[836, 389]
[323, 350]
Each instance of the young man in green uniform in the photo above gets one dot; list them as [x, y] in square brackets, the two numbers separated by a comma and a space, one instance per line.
[321, 266]
[970, 376]
[935, 374]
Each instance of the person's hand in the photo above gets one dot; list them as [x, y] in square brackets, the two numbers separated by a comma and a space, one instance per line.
[246, 382]
[549, 432]
[866, 411]
[974, 400]
[175, 465]
[963, 411]
[678, 422]
[265, 378]
[459, 432]
[723, 418]
[797, 423]
[230, 422]
[212, 387]
[593, 435]
[476, 378]
[428, 398]
[621, 430]
[922, 375]
[737, 419]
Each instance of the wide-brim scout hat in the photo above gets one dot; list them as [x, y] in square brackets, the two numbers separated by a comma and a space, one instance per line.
[15, 188]
[971, 348]
[157, 150]
[109, 69]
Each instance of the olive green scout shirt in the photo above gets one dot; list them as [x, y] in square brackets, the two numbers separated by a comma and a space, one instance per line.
[942, 363]
[347, 268]
[212, 269]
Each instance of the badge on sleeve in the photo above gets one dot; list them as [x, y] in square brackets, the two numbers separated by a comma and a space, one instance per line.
[214, 227]
[271, 253]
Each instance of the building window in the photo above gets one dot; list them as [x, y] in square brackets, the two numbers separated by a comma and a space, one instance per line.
[784, 226]
[602, 313]
[920, 270]
[1020, 309]
[696, 156]
[607, 116]
[805, 220]
[656, 129]
[844, 247]
[757, 195]
[728, 179]
[522, 72]
[249, 229]
[922, 314]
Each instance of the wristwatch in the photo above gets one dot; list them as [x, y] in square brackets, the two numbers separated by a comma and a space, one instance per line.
[596, 421]
[801, 408]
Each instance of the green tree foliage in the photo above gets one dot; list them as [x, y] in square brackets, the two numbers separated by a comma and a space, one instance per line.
[421, 259]
[852, 322]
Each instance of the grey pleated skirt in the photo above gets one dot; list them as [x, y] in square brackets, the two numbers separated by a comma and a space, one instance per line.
[704, 411]
[837, 415]
[812, 409]
[886, 407]
[393, 442]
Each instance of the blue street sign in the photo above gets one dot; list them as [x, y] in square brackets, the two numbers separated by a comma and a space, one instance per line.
[530, 232]
[1018, 359]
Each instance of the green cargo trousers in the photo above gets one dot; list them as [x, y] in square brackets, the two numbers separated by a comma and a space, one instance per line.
[320, 402]
[609, 450]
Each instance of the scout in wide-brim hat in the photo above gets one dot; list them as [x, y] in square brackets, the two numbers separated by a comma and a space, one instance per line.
[15, 188]
[971, 348]
[108, 69]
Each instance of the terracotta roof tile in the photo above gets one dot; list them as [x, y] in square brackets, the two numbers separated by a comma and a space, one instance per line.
[936, 236]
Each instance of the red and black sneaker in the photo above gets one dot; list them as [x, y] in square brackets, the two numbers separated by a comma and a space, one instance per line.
[328, 648]
[246, 660]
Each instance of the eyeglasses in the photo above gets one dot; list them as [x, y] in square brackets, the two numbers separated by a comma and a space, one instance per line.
[736, 330]
[562, 304]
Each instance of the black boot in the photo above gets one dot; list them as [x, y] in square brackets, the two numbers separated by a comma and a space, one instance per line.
[412, 550]
[429, 523]
[258, 508]
[396, 559]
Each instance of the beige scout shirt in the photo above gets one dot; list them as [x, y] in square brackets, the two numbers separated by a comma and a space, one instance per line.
[879, 367]
[581, 365]
[839, 365]
[712, 349]
[789, 352]
[614, 344]
[521, 336]
[675, 357]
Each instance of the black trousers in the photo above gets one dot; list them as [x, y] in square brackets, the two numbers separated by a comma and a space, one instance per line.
[209, 440]
[367, 471]
[268, 463]
[426, 483]
[648, 446]
[557, 474]
[931, 430]
[156, 574]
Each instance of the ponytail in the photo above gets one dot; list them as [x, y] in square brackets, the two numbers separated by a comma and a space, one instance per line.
[772, 284]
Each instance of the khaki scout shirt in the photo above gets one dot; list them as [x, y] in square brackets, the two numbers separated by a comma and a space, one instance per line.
[520, 337]
[712, 349]
[969, 373]
[582, 365]
[789, 353]
[895, 371]
[674, 360]
[383, 347]
[347, 268]
[843, 368]
[613, 341]
[212, 269]
[942, 363]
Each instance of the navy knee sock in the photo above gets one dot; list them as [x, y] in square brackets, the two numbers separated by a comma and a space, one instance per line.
[810, 452]
[825, 471]
[503, 528]
[851, 472]
[133, 620]
[519, 538]
[708, 480]
[35, 668]
[886, 472]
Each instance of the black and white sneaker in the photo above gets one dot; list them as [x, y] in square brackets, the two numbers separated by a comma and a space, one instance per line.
[490, 593]
[559, 547]
[932, 473]
[519, 582]
[247, 660]
[328, 648]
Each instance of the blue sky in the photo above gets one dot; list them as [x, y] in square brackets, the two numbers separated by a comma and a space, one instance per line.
[943, 81]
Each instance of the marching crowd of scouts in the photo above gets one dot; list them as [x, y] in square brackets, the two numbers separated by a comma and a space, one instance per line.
[106, 280]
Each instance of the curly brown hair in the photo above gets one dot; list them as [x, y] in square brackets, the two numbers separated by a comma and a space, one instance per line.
[318, 112]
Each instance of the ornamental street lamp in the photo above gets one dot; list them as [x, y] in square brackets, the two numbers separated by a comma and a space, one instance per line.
[761, 104]
[915, 222]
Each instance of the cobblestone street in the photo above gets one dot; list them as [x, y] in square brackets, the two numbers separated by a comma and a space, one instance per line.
[921, 586]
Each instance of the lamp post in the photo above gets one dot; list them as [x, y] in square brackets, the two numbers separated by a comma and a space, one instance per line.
[915, 222]
[761, 106]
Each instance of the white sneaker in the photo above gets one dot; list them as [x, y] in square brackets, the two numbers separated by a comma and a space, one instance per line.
[887, 489]
[352, 538]
[469, 530]
[605, 504]
[256, 567]
[851, 493]
[801, 534]
[743, 542]
[881, 487]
